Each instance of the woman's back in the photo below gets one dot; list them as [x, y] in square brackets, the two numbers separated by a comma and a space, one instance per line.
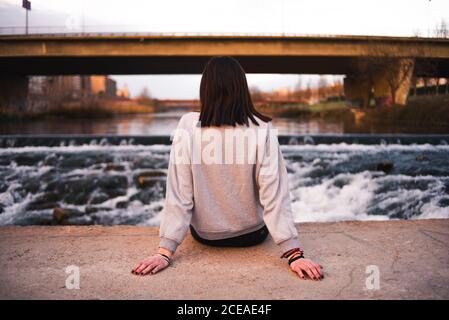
[226, 181]
[226, 178]
[225, 186]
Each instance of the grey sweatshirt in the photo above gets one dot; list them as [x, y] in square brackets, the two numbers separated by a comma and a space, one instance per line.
[225, 183]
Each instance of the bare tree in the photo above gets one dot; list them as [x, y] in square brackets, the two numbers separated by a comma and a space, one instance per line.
[416, 33]
[145, 94]
[336, 88]
[298, 85]
[145, 97]
[256, 93]
[398, 71]
[308, 92]
[383, 64]
[322, 86]
[441, 30]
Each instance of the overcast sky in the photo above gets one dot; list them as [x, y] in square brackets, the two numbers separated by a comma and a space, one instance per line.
[362, 17]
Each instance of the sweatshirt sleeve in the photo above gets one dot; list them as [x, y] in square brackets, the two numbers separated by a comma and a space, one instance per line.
[274, 193]
[177, 212]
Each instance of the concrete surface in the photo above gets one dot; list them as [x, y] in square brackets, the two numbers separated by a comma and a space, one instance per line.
[412, 257]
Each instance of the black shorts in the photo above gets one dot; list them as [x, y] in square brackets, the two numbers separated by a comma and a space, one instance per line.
[244, 240]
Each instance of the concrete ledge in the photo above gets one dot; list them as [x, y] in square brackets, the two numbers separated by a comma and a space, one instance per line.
[412, 256]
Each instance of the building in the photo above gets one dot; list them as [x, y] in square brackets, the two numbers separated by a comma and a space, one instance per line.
[46, 92]
[123, 92]
[111, 87]
[75, 87]
[97, 85]
[103, 86]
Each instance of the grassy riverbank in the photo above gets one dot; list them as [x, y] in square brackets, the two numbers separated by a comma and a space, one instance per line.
[88, 109]
[422, 114]
[292, 110]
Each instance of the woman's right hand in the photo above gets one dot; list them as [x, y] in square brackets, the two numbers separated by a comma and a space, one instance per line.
[150, 265]
[306, 266]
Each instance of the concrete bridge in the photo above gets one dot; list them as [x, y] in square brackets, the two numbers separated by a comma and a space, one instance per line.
[379, 66]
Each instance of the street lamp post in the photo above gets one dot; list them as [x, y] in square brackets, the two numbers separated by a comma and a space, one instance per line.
[27, 5]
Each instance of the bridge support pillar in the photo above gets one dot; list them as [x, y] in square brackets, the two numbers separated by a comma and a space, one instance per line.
[391, 82]
[13, 92]
[357, 90]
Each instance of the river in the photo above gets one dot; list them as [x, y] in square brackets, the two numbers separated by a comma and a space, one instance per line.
[98, 179]
[149, 124]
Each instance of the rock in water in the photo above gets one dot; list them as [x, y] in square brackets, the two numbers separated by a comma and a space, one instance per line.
[113, 182]
[385, 166]
[58, 214]
[148, 195]
[149, 178]
[61, 215]
[121, 204]
[45, 201]
[93, 209]
[421, 157]
[98, 197]
[114, 167]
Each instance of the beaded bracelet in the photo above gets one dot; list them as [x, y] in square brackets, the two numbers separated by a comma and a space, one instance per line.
[300, 256]
[292, 251]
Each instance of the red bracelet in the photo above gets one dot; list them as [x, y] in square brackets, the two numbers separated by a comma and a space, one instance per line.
[291, 251]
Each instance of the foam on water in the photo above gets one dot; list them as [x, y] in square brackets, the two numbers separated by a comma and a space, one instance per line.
[87, 147]
[329, 182]
[327, 202]
[342, 182]
[359, 199]
[346, 147]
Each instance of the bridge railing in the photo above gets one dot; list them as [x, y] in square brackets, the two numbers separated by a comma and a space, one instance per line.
[119, 30]
[137, 30]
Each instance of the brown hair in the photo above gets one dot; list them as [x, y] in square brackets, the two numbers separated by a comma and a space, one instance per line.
[224, 94]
